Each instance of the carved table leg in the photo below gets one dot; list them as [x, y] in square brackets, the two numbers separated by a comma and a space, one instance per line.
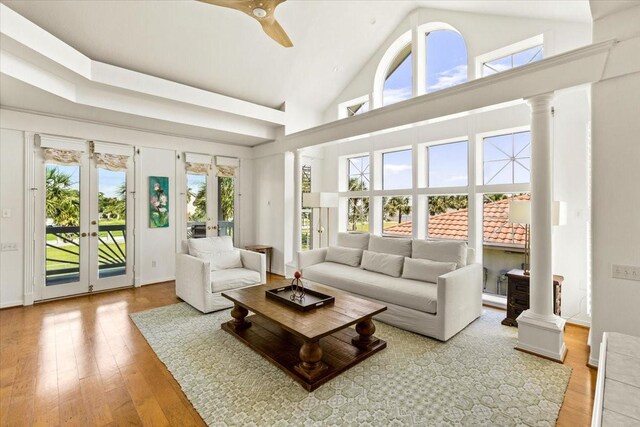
[311, 364]
[239, 322]
[366, 340]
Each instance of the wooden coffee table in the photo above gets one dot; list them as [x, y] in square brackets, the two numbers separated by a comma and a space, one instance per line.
[312, 347]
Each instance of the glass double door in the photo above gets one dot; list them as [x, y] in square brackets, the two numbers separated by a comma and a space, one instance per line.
[86, 229]
[210, 205]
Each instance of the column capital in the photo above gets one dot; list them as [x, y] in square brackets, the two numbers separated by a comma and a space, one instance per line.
[540, 102]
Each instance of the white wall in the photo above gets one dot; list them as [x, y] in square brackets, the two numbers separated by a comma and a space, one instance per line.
[616, 191]
[11, 228]
[482, 34]
[157, 157]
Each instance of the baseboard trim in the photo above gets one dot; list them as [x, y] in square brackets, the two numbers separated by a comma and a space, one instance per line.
[11, 304]
[553, 359]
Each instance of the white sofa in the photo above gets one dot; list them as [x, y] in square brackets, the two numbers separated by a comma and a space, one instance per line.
[439, 310]
[201, 276]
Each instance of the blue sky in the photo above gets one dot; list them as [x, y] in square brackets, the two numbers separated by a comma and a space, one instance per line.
[109, 181]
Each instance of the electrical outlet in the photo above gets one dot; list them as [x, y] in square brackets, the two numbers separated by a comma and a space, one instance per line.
[626, 272]
[6, 213]
[153, 264]
[7, 247]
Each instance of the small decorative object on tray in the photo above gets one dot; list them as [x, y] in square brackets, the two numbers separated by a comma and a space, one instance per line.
[298, 297]
[297, 288]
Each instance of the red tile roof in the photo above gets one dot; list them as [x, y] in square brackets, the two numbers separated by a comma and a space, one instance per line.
[453, 225]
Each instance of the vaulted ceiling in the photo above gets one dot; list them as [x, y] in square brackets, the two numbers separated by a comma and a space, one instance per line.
[223, 51]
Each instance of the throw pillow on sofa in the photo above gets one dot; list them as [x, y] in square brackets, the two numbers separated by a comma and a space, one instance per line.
[388, 264]
[353, 240]
[441, 251]
[346, 256]
[426, 270]
[390, 245]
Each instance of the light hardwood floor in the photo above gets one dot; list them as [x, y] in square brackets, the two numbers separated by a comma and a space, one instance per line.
[82, 362]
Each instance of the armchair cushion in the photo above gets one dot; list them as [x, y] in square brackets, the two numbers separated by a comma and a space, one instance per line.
[210, 244]
[232, 278]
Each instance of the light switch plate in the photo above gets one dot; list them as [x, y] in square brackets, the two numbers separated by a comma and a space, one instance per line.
[6, 213]
[626, 272]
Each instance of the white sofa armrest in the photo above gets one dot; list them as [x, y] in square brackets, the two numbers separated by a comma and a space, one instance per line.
[193, 279]
[460, 298]
[255, 261]
[312, 257]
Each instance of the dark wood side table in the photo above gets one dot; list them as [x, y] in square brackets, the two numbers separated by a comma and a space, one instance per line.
[518, 295]
[266, 250]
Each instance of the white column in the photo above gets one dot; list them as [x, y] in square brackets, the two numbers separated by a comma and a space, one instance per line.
[297, 202]
[539, 330]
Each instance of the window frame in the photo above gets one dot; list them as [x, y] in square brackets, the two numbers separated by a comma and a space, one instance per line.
[505, 51]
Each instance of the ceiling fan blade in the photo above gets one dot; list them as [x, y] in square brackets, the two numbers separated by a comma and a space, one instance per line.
[276, 32]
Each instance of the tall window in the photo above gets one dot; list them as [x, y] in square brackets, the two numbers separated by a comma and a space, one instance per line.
[358, 214]
[226, 205]
[397, 170]
[503, 242]
[398, 84]
[448, 165]
[446, 56]
[306, 221]
[358, 173]
[507, 158]
[513, 60]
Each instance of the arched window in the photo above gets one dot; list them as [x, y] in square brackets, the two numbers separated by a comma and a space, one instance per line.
[446, 60]
[398, 82]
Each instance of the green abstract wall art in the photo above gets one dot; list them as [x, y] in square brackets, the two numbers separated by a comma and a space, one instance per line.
[158, 202]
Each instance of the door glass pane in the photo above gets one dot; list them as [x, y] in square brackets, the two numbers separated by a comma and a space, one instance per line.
[62, 208]
[112, 223]
[196, 206]
[225, 206]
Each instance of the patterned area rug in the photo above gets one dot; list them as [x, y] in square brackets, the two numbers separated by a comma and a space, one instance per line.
[474, 379]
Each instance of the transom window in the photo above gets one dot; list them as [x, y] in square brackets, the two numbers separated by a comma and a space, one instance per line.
[448, 165]
[358, 108]
[446, 60]
[398, 84]
[513, 60]
[358, 173]
[507, 158]
[397, 170]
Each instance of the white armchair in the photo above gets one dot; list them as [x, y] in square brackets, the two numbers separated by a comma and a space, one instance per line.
[201, 287]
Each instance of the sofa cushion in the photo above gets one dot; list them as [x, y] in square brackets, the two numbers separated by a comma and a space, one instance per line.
[390, 245]
[421, 296]
[441, 250]
[224, 280]
[210, 244]
[346, 256]
[353, 240]
[426, 270]
[388, 264]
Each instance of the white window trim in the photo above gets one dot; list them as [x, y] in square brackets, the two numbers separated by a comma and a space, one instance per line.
[381, 72]
[506, 51]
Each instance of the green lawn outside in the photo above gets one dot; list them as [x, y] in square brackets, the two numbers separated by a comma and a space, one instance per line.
[58, 254]
[51, 237]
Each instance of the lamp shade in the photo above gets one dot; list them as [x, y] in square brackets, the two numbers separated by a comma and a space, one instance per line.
[520, 211]
[320, 200]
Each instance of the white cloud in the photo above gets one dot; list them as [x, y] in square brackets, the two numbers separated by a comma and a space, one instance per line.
[394, 169]
[450, 77]
[391, 96]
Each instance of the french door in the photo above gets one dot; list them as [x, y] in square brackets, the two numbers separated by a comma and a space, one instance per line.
[209, 200]
[85, 211]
